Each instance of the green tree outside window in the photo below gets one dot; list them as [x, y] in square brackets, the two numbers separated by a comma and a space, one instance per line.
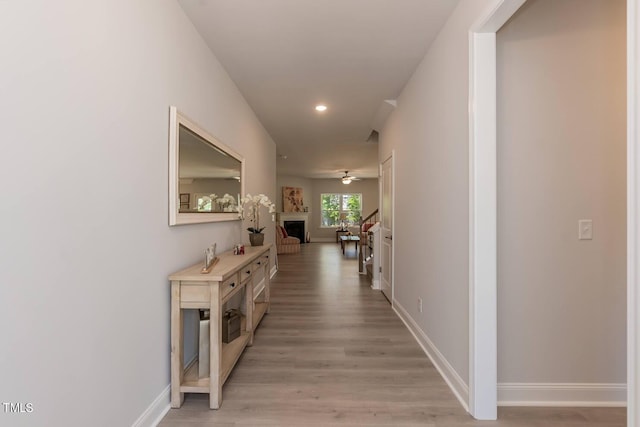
[336, 205]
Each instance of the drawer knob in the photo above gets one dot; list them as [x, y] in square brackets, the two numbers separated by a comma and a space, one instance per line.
[232, 284]
[248, 271]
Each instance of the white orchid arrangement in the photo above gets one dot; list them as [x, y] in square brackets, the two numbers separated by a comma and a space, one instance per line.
[226, 203]
[249, 208]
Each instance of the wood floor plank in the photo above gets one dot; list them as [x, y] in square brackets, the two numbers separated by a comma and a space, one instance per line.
[332, 352]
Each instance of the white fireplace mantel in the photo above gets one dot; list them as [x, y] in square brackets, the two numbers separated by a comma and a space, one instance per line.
[294, 216]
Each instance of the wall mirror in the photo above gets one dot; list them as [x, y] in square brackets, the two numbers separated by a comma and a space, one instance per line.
[205, 176]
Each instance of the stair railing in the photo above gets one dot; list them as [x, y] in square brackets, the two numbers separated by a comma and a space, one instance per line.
[365, 224]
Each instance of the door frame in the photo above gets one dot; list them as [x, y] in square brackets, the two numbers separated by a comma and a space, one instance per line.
[633, 210]
[380, 209]
[483, 210]
[483, 333]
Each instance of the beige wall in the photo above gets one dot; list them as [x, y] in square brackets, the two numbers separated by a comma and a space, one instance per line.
[85, 94]
[368, 187]
[565, 162]
[293, 181]
[429, 132]
[312, 190]
[561, 158]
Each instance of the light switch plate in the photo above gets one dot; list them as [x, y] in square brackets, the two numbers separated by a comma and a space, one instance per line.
[585, 229]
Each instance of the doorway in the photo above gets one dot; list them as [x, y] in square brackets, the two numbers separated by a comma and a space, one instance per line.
[482, 173]
[561, 163]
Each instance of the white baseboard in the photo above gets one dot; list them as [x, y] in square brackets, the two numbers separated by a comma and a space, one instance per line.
[520, 394]
[451, 377]
[152, 416]
[562, 394]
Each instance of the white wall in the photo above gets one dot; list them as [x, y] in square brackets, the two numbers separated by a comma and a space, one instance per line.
[85, 89]
[561, 158]
[429, 131]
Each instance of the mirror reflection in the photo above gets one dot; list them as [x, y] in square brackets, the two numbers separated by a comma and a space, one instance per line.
[205, 176]
[209, 178]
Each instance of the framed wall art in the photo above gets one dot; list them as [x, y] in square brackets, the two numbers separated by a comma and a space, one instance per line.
[292, 199]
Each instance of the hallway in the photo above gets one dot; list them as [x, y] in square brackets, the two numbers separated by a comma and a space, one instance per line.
[333, 352]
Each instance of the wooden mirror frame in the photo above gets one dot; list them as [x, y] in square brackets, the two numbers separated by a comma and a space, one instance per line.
[176, 217]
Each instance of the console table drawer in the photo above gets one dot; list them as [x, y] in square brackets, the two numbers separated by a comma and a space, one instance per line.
[246, 273]
[195, 295]
[229, 285]
[260, 262]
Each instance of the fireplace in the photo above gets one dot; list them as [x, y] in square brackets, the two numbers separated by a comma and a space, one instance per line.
[297, 219]
[295, 229]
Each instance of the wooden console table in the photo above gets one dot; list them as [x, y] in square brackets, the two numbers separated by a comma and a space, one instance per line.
[192, 290]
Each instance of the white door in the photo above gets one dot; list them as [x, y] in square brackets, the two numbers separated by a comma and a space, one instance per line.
[386, 262]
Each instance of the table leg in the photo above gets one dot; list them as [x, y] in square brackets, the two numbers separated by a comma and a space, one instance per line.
[249, 307]
[215, 348]
[267, 285]
[177, 365]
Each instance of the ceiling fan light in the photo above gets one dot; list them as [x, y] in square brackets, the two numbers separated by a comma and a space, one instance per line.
[346, 180]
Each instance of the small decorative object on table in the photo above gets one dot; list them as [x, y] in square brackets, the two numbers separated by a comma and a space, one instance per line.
[343, 222]
[238, 249]
[256, 239]
[252, 204]
[210, 259]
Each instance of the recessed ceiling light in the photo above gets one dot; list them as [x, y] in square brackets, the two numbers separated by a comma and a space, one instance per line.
[321, 107]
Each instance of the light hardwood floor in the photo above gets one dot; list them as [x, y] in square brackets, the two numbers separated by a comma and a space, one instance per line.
[333, 353]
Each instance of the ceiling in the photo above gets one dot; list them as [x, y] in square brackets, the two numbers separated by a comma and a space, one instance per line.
[286, 56]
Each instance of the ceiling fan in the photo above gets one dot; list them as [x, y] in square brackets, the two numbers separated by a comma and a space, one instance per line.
[346, 179]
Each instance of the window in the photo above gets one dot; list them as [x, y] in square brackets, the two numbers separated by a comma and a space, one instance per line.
[336, 207]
